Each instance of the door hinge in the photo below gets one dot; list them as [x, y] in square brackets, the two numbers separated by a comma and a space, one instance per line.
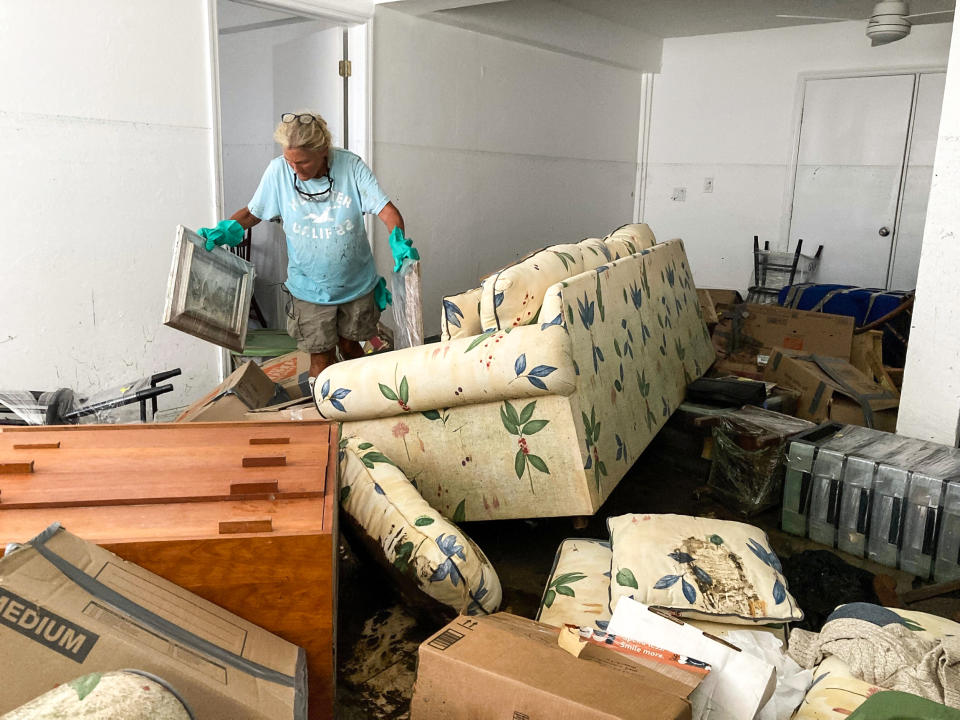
[346, 68]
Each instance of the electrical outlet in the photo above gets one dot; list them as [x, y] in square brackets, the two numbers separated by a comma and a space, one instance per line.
[708, 185]
[679, 194]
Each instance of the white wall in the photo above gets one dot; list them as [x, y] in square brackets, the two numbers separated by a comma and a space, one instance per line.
[723, 107]
[249, 116]
[930, 403]
[491, 148]
[106, 143]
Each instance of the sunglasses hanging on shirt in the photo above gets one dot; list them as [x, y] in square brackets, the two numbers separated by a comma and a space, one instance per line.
[317, 196]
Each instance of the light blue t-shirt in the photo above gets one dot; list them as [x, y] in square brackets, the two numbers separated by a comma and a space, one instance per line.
[329, 257]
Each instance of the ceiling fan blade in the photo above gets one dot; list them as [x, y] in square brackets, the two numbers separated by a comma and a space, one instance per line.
[816, 17]
[931, 17]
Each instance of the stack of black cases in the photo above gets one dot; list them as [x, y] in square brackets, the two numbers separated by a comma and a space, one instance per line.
[889, 498]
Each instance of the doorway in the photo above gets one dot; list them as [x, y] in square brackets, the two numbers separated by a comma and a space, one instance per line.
[271, 62]
[864, 162]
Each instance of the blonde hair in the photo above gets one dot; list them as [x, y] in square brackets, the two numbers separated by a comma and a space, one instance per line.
[312, 136]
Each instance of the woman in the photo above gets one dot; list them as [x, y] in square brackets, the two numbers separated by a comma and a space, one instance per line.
[321, 194]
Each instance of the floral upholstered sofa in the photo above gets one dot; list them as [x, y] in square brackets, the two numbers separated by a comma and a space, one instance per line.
[551, 379]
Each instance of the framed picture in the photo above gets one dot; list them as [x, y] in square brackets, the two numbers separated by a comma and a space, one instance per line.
[208, 293]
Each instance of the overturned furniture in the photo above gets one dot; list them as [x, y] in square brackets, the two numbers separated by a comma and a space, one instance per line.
[241, 514]
[556, 374]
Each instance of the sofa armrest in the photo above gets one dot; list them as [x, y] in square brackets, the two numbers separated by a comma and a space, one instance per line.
[523, 362]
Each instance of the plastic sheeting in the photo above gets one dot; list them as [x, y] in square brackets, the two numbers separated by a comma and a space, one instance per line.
[749, 457]
[63, 407]
[407, 307]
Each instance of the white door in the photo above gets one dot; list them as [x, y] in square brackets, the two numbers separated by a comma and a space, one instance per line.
[916, 187]
[852, 140]
[306, 76]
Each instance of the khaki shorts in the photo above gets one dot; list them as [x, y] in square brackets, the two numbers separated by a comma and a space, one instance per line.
[317, 328]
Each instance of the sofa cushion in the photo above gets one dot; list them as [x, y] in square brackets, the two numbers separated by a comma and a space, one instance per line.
[639, 233]
[461, 315]
[834, 694]
[422, 550]
[699, 567]
[595, 253]
[512, 296]
[578, 589]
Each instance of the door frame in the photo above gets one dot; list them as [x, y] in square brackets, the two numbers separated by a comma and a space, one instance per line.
[786, 218]
[348, 13]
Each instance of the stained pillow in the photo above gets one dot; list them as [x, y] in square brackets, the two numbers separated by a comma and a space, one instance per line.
[461, 315]
[432, 560]
[512, 296]
[578, 589]
[699, 567]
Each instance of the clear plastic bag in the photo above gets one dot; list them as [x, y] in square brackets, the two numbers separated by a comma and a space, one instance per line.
[115, 405]
[749, 457]
[407, 306]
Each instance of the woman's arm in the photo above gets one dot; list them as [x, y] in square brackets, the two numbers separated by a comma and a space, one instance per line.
[390, 217]
[247, 219]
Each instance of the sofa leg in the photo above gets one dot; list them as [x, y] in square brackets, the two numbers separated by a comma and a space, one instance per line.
[580, 522]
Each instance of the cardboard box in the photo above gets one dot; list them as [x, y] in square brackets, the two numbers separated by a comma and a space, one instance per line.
[69, 608]
[291, 372]
[292, 410]
[832, 389]
[245, 388]
[504, 666]
[723, 299]
[760, 328]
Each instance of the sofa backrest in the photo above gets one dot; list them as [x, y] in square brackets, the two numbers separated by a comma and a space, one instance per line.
[637, 339]
[513, 295]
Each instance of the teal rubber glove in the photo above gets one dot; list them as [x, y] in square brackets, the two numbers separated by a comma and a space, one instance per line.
[227, 232]
[381, 295]
[402, 248]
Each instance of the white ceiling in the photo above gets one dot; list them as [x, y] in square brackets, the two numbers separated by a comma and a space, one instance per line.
[660, 18]
[678, 18]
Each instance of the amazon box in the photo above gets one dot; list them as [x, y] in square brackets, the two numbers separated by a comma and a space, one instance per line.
[833, 389]
[505, 666]
[291, 372]
[69, 608]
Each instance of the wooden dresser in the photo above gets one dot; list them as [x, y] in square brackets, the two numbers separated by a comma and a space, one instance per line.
[242, 514]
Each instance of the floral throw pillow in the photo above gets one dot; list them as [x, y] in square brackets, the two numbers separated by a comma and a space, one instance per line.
[420, 548]
[578, 589]
[699, 567]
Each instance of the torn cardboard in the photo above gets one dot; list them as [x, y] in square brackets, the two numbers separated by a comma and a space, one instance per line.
[506, 666]
[245, 388]
[69, 608]
[832, 389]
[291, 372]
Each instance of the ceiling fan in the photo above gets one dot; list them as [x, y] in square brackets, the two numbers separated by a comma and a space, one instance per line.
[891, 20]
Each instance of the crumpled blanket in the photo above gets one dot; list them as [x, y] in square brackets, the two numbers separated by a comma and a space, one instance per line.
[890, 656]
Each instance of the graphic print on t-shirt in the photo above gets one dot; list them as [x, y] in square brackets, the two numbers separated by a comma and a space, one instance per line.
[330, 261]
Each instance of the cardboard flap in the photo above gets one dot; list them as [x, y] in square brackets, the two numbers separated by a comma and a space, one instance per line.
[845, 379]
